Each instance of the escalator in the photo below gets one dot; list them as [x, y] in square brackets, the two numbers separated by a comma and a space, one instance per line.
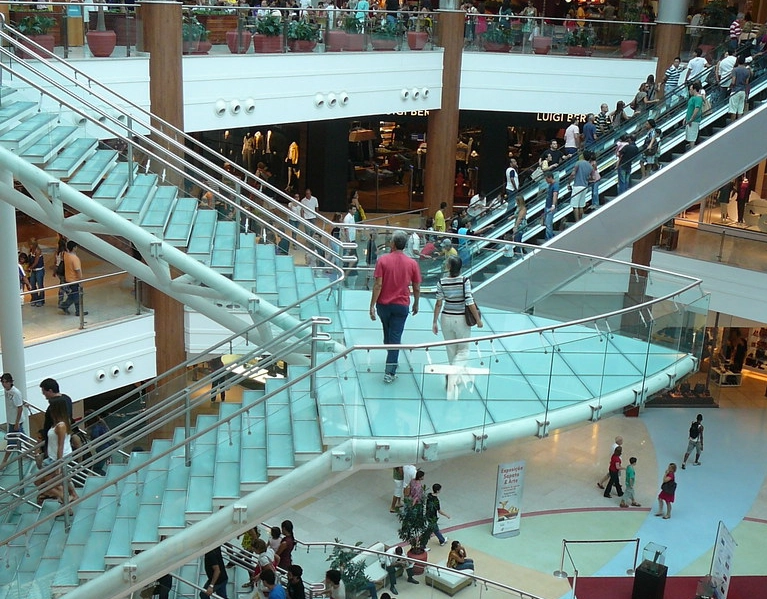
[641, 209]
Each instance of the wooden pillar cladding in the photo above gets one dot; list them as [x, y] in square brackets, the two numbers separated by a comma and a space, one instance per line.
[162, 39]
[668, 45]
[442, 131]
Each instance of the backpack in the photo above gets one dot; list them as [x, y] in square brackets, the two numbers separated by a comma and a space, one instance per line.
[694, 429]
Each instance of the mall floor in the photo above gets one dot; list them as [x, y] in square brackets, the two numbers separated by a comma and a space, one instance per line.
[561, 499]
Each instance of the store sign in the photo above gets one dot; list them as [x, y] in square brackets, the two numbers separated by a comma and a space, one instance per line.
[557, 117]
[410, 113]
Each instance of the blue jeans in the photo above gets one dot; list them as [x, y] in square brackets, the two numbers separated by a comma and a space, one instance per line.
[438, 533]
[393, 317]
[468, 564]
[548, 222]
[624, 180]
[36, 281]
[72, 297]
[219, 589]
[595, 194]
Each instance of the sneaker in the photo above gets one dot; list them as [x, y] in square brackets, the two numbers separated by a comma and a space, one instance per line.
[389, 378]
[413, 581]
[394, 591]
[696, 463]
[684, 467]
[443, 543]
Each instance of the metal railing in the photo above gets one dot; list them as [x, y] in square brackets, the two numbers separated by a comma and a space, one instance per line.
[561, 573]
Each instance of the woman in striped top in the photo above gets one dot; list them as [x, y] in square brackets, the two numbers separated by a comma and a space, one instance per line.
[454, 293]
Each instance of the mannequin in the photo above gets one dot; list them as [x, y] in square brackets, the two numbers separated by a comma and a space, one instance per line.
[294, 173]
[258, 145]
[247, 152]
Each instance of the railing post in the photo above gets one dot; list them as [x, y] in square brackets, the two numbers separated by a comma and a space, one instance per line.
[313, 362]
[720, 255]
[561, 572]
[65, 495]
[80, 304]
[187, 428]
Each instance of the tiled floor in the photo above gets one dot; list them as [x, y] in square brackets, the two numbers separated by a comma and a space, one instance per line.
[561, 499]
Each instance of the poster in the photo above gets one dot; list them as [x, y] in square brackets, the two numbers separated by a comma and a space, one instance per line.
[721, 561]
[507, 512]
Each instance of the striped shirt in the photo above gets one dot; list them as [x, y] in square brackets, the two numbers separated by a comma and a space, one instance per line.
[735, 30]
[672, 76]
[456, 293]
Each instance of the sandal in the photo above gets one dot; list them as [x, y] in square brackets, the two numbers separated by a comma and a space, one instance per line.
[636, 505]
[666, 517]
[659, 514]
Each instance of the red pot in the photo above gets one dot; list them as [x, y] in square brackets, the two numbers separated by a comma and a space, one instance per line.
[416, 40]
[492, 47]
[629, 48]
[578, 51]
[101, 43]
[421, 555]
[355, 42]
[335, 40]
[301, 45]
[541, 44]
[203, 47]
[267, 44]
[238, 41]
[383, 43]
[46, 41]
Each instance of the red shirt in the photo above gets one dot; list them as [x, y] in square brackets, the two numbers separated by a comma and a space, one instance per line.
[615, 463]
[397, 271]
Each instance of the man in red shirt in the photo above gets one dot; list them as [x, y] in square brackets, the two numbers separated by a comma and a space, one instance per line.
[394, 274]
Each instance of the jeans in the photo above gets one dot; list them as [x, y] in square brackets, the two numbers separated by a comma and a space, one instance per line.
[36, 281]
[614, 482]
[294, 223]
[219, 589]
[393, 317]
[595, 194]
[72, 297]
[624, 180]
[548, 222]
[468, 564]
[438, 533]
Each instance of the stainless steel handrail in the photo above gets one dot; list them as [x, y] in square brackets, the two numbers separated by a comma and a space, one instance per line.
[158, 127]
[174, 447]
[100, 447]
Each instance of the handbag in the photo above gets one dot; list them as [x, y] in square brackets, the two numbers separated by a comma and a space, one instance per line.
[668, 487]
[467, 313]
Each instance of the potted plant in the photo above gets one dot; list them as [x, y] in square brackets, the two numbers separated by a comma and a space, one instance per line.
[415, 528]
[268, 36]
[416, 36]
[352, 570]
[496, 39]
[36, 28]
[302, 36]
[385, 36]
[352, 26]
[579, 41]
[238, 40]
[630, 13]
[101, 41]
[193, 33]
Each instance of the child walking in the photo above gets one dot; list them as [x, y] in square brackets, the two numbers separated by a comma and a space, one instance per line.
[628, 495]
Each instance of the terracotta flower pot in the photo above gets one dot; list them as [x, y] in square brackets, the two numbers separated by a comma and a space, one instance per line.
[578, 51]
[203, 47]
[416, 40]
[335, 40]
[101, 43]
[302, 45]
[629, 48]
[189, 47]
[418, 554]
[238, 41]
[493, 47]
[355, 42]
[267, 44]
[541, 44]
[46, 41]
[383, 43]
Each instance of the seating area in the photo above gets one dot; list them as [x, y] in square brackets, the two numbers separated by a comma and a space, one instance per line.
[448, 581]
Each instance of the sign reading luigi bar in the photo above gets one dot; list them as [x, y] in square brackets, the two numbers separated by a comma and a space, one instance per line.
[507, 513]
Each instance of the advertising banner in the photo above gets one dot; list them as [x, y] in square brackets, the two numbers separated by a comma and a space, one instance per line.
[507, 512]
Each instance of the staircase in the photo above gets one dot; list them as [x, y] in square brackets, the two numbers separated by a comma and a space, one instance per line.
[329, 418]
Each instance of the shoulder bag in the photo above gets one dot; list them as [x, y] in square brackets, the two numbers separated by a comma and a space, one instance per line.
[467, 313]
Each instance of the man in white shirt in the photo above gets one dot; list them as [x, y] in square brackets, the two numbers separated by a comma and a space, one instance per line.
[724, 68]
[512, 182]
[413, 247]
[14, 409]
[572, 138]
[350, 233]
[695, 67]
[477, 206]
[310, 207]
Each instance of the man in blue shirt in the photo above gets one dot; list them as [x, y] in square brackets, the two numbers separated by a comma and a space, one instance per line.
[552, 196]
[589, 131]
[273, 587]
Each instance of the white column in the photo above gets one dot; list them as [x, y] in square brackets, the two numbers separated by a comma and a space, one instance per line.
[11, 333]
